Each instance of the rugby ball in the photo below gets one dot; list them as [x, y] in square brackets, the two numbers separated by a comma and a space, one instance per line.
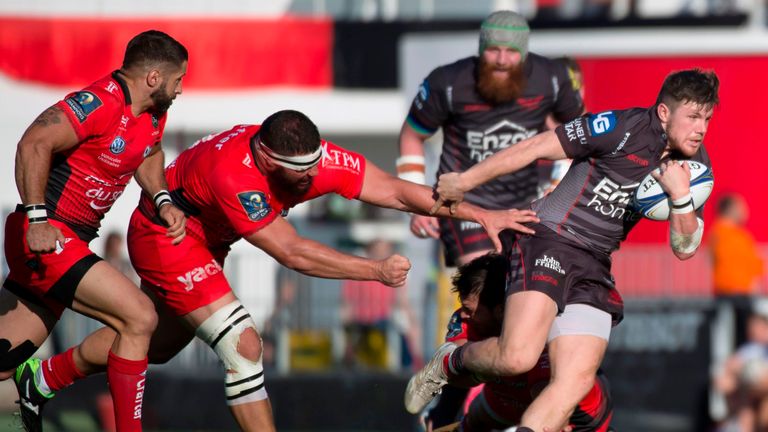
[653, 203]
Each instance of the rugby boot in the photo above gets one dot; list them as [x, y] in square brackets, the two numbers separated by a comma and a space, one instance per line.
[31, 399]
[429, 381]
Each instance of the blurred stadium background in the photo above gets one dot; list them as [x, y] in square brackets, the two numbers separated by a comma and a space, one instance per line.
[353, 67]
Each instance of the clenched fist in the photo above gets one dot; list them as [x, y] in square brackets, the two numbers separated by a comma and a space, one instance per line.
[393, 270]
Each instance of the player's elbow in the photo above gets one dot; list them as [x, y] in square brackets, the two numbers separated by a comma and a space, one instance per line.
[294, 259]
[682, 256]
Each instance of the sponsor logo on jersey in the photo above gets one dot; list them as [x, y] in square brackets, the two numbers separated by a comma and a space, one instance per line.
[543, 277]
[155, 121]
[496, 138]
[199, 274]
[223, 140]
[118, 145]
[549, 262]
[476, 107]
[574, 130]
[111, 87]
[602, 123]
[611, 199]
[530, 103]
[339, 158]
[147, 151]
[422, 95]
[101, 198]
[621, 143]
[83, 103]
[469, 226]
[139, 398]
[255, 204]
[638, 160]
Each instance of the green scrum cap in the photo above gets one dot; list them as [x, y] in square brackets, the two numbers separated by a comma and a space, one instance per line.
[505, 28]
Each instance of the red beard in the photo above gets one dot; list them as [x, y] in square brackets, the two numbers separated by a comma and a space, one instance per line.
[498, 91]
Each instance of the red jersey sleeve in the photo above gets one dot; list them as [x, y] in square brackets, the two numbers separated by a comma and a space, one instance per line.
[92, 112]
[341, 171]
[245, 201]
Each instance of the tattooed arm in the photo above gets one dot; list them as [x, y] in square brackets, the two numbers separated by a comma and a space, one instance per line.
[50, 133]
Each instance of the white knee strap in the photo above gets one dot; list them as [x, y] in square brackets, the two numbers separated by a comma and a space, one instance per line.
[221, 331]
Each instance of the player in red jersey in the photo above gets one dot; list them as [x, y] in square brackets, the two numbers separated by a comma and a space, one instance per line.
[72, 163]
[239, 184]
[502, 401]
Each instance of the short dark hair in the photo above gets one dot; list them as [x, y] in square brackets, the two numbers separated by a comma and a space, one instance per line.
[289, 133]
[692, 85]
[153, 47]
[486, 277]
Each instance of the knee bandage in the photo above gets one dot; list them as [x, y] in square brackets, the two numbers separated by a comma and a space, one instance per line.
[221, 331]
[686, 243]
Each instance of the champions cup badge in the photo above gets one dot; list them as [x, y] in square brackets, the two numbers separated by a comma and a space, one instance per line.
[118, 145]
[255, 204]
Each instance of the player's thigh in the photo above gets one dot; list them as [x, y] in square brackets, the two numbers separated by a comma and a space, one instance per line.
[575, 359]
[528, 316]
[171, 335]
[106, 294]
[24, 326]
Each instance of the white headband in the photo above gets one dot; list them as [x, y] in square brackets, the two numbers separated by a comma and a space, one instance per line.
[297, 162]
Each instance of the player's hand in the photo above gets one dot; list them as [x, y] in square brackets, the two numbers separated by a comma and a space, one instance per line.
[42, 238]
[497, 221]
[176, 221]
[674, 177]
[425, 226]
[450, 192]
[393, 271]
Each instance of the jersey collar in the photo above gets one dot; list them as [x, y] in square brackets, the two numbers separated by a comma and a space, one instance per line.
[123, 85]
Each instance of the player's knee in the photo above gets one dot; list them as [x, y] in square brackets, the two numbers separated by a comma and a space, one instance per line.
[141, 320]
[577, 385]
[517, 361]
[232, 334]
[249, 344]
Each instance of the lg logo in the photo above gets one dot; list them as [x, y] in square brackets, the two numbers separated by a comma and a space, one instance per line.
[602, 123]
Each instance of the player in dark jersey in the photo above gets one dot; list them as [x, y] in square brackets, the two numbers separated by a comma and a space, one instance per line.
[72, 163]
[239, 184]
[502, 400]
[564, 268]
[484, 104]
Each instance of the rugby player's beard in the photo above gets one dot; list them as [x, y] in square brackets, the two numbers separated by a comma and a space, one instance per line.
[161, 100]
[498, 91]
[291, 185]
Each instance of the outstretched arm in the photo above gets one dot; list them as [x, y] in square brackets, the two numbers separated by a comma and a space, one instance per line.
[280, 240]
[452, 186]
[384, 190]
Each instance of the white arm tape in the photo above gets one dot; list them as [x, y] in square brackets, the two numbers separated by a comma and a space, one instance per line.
[686, 243]
[410, 159]
[413, 176]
